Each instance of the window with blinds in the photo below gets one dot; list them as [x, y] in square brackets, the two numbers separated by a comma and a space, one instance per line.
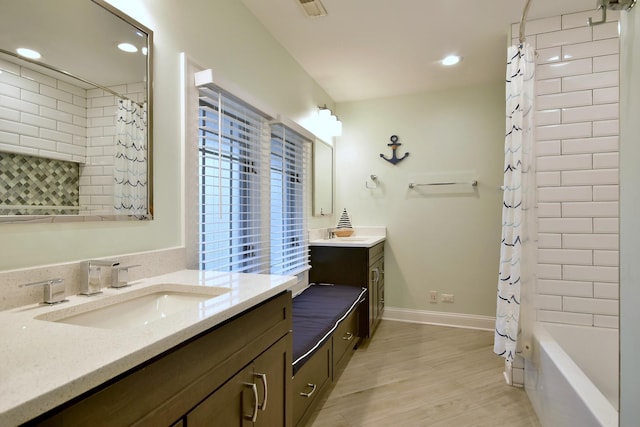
[252, 181]
[232, 157]
[289, 155]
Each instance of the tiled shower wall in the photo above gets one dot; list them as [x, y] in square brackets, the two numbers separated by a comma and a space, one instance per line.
[577, 79]
[40, 115]
[46, 117]
[96, 176]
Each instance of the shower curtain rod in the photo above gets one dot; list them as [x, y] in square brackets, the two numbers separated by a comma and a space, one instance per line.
[523, 20]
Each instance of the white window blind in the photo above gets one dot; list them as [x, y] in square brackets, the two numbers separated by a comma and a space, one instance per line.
[234, 153]
[289, 169]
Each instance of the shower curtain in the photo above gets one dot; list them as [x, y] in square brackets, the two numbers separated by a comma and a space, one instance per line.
[517, 249]
[130, 165]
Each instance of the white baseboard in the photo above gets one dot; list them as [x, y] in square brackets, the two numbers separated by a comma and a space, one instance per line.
[456, 320]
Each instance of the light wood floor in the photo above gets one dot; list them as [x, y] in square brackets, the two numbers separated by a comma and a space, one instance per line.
[420, 375]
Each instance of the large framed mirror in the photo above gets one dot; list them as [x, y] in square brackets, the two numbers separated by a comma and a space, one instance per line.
[322, 178]
[75, 112]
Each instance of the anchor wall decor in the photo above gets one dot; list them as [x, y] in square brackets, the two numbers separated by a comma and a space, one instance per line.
[394, 147]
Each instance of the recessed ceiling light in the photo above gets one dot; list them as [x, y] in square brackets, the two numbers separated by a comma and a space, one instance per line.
[127, 47]
[28, 53]
[451, 60]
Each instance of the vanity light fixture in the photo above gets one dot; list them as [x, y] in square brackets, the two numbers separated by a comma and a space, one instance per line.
[329, 121]
[127, 47]
[451, 60]
[28, 53]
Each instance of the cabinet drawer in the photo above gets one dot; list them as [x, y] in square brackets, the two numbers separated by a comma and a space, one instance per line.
[310, 380]
[345, 337]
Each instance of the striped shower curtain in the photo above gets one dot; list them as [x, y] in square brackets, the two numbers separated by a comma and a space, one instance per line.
[130, 165]
[517, 250]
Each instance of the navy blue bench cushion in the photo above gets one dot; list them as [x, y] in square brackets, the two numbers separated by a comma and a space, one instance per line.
[316, 314]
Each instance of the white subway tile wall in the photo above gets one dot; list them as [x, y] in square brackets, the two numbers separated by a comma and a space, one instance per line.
[96, 184]
[577, 111]
[40, 115]
[46, 117]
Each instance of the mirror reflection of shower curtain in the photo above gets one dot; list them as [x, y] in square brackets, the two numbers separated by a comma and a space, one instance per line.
[130, 165]
[516, 284]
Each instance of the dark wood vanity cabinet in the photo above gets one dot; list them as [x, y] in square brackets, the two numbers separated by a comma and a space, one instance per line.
[236, 374]
[253, 397]
[353, 266]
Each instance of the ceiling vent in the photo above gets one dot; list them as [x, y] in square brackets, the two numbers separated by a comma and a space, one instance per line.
[313, 8]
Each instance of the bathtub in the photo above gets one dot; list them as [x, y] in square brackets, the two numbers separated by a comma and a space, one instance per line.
[571, 377]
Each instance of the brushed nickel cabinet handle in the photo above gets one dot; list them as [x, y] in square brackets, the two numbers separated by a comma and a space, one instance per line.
[253, 417]
[265, 388]
[348, 336]
[313, 390]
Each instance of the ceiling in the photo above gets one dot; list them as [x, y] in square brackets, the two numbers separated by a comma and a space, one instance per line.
[368, 49]
[75, 36]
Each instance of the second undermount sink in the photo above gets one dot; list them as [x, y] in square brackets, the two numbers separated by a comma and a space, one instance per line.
[138, 307]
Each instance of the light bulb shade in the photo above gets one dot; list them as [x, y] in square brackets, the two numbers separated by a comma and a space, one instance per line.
[337, 128]
[324, 113]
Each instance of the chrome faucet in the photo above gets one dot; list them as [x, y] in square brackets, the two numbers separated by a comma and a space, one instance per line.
[120, 276]
[54, 291]
[94, 280]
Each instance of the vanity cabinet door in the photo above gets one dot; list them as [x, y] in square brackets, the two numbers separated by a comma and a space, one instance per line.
[374, 274]
[256, 396]
[376, 286]
[272, 375]
[232, 405]
[381, 290]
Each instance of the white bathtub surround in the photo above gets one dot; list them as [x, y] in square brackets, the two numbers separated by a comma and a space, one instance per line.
[518, 199]
[47, 363]
[577, 147]
[569, 386]
[577, 179]
[150, 264]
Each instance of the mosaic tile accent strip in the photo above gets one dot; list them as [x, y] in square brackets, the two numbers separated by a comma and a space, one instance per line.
[36, 181]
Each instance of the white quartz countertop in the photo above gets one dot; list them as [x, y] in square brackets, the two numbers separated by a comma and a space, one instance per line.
[350, 242]
[362, 237]
[44, 363]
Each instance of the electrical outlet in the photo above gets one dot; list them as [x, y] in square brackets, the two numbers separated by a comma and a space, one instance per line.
[447, 298]
[433, 297]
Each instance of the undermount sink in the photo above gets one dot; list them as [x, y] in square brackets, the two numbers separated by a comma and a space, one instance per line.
[137, 307]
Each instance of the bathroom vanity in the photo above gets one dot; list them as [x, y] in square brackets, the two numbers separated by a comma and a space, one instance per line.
[228, 359]
[358, 261]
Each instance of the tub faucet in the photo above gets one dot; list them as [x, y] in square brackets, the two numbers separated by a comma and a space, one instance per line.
[95, 280]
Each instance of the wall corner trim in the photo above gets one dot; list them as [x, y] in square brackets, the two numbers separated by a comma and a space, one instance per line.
[438, 318]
